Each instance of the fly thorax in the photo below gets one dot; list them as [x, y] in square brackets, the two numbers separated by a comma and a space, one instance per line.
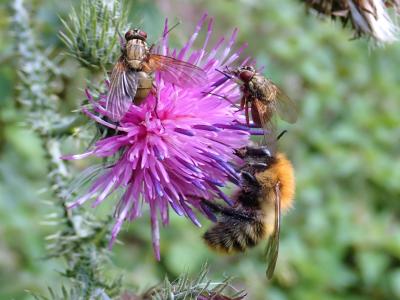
[136, 53]
[252, 87]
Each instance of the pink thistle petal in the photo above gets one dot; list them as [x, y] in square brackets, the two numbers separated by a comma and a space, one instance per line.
[193, 38]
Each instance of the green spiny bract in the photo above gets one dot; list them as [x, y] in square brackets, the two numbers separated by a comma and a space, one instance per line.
[91, 34]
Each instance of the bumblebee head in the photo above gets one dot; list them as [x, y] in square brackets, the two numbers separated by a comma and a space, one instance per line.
[261, 152]
[256, 159]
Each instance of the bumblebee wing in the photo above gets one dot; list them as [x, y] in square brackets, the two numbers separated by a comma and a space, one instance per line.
[285, 107]
[177, 71]
[273, 242]
[123, 86]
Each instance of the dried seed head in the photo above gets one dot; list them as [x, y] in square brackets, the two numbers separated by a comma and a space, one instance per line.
[366, 17]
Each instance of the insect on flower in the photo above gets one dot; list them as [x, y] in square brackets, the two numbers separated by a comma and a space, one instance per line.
[262, 98]
[131, 78]
[268, 187]
[155, 158]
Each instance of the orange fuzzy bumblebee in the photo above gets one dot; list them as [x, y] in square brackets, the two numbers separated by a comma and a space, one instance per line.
[268, 187]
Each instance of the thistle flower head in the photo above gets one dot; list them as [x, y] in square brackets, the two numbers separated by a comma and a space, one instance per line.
[176, 146]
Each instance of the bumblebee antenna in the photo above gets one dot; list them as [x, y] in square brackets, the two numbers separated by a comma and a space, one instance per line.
[281, 135]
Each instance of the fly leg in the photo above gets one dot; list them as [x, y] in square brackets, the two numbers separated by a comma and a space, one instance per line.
[223, 97]
[154, 91]
[156, 106]
[246, 112]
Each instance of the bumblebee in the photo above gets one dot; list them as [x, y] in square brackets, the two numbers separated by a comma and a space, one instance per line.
[267, 189]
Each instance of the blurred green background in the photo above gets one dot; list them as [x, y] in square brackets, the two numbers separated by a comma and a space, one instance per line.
[341, 240]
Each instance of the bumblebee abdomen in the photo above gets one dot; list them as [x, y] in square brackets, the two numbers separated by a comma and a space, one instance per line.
[233, 235]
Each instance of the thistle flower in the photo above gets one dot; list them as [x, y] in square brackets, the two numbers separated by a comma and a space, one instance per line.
[176, 146]
[184, 287]
[367, 17]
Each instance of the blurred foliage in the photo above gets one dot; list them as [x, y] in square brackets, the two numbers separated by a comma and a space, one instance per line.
[80, 240]
[340, 241]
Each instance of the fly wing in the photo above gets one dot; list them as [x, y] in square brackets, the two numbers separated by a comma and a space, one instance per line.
[122, 91]
[273, 242]
[285, 107]
[264, 118]
[177, 71]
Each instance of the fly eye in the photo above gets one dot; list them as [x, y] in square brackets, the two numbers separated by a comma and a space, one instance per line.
[143, 34]
[246, 75]
[129, 35]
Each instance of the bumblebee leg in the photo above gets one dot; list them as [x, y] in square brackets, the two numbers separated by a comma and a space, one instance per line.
[250, 178]
[227, 211]
[240, 152]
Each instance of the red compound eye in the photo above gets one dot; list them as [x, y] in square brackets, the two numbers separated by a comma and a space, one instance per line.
[143, 34]
[129, 35]
[246, 75]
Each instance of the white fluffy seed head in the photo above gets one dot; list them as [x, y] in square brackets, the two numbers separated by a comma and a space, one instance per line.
[372, 18]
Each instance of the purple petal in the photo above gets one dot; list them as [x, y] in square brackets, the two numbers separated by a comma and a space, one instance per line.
[190, 213]
[232, 127]
[257, 131]
[193, 38]
[155, 231]
[184, 131]
[206, 127]
[224, 197]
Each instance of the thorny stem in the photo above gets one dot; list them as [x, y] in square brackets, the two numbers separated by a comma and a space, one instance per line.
[36, 70]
